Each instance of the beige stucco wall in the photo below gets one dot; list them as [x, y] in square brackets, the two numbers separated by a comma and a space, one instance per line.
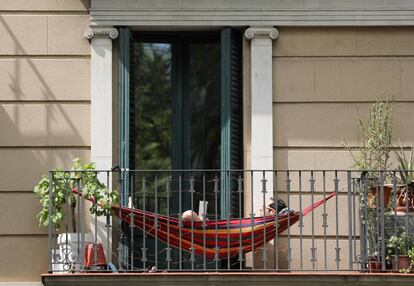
[324, 79]
[44, 118]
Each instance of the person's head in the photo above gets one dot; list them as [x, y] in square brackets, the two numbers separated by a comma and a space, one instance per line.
[269, 208]
[276, 206]
[190, 215]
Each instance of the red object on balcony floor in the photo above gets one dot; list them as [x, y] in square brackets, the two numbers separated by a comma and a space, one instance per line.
[90, 253]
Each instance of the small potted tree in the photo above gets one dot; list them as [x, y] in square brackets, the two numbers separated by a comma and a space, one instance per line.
[374, 152]
[67, 186]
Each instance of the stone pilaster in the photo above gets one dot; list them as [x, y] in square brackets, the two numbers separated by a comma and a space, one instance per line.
[101, 115]
[261, 112]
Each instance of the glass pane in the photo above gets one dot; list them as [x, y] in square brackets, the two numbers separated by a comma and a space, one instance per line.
[153, 121]
[204, 98]
[204, 121]
[153, 140]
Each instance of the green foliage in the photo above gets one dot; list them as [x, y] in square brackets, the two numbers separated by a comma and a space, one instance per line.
[410, 254]
[376, 131]
[405, 166]
[86, 183]
[400, 244]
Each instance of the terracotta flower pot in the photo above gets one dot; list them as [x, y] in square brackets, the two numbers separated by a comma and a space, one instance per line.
[376, 191]
[405, 199]
[402, 263]
[374, 265]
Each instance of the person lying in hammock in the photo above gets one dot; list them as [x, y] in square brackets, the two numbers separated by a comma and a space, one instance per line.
[271, 208]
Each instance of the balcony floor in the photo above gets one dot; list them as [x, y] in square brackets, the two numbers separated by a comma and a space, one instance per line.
[229, 279]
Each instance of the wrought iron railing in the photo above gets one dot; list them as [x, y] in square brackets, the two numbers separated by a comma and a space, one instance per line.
[352, 231]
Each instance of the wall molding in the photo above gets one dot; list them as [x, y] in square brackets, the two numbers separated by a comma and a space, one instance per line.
[176, 14]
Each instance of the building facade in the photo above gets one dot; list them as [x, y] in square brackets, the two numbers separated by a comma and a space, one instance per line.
[305, 72]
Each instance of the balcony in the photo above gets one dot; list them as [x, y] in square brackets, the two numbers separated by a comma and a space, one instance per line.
[229, 226]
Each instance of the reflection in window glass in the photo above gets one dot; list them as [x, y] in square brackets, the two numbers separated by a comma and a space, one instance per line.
[153, 96]
[204, 97]
[205, 122]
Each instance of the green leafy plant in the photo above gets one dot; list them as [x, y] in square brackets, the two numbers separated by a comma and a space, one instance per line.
[400, 244]
[67, 185]
[410, 254]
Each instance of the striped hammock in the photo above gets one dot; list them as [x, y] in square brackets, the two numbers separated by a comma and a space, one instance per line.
[218, 239]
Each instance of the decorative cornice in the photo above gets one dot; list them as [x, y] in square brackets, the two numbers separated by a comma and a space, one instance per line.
[271, 33]
[108, 32]
[276, 13]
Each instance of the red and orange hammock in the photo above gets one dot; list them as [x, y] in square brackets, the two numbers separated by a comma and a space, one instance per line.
[218, 239]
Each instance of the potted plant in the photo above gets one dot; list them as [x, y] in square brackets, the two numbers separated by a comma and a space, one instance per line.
[80, 180]
[399, 247]
[371, 158]
[374, 264]
[405, 194]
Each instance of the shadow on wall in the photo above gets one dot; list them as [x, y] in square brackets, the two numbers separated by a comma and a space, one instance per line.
[38, 135]
[46, 91]
[86, 4]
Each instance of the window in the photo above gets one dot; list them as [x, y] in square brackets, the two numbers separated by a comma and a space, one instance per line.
[180, 107]
[180, 100]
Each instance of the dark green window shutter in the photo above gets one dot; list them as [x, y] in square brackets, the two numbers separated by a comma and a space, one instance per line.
[125, 108]
[231, 120]
[131, 103]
